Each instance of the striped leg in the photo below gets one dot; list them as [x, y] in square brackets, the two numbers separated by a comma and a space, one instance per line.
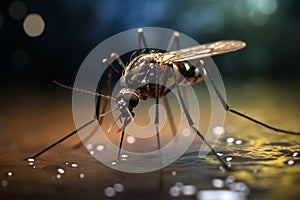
[193, 125]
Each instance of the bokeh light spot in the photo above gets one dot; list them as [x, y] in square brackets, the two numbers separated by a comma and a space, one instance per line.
[17, 10]
[267, 6]
[34, 25]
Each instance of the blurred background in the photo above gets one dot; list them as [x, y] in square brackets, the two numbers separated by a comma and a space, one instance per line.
[42, 41]
[45, 40]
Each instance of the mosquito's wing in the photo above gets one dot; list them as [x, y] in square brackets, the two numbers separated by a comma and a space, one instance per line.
[204, 50]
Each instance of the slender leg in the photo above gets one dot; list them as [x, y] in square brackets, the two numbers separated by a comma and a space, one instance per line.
[193, 125]
[228, 108]
[175, 37]
[125, 123]
[120, 145]
[100, 111]
[98, 99]
[115, 56]
[156, 123]
[141, 38]
[62, 139]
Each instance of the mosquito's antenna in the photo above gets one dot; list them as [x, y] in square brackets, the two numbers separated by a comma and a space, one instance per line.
[228, 108]
[84, 91]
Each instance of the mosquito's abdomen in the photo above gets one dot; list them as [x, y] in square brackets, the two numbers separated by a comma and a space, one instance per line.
[186, 69]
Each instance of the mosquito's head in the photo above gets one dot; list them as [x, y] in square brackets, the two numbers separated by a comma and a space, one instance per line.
[127, 99]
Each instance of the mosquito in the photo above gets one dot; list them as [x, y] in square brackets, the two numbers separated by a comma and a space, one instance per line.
[145, 77]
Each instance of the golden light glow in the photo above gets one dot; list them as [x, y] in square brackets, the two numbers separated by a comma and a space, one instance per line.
[34, 25]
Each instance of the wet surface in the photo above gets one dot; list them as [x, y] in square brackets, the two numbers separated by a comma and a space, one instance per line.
[266, 164]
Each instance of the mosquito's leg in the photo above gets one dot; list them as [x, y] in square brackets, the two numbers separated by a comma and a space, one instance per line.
[98, 99]
[125, 123]
[228, 108]
[156, 122]
[98, 110]
[115, 56]
[193, 125]
[165, 90]
[62, 139]
[141, 38]
[120, 145]
[107, 92]
[175, 37]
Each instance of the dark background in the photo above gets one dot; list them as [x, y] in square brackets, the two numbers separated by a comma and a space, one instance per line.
[73, 28]
[261, 80]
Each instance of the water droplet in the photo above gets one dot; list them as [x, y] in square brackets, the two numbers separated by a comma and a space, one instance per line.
[30, 160]
[4, 183]
[30, 163]
[230, 140]
[218, 130]
[66, 163]
[174, 173]
[189, 190]
[92, 152]
[130, 139]
[9, 173]
[239, 187]
[228, 159]
[222, 169]
[229, 180]
[290, 162]
[33, 166]
[81, 175]
[119, 187]
[124, 155]
[89, 146]
[174, 191]
[61, 170]
[220, 194]
[220, 154]
[295, 154]
[114, 163]
[186, 132]
[238, 142]
[58, 176]
[218, 183]
[109, 192]
[74, 165]
[100, 147]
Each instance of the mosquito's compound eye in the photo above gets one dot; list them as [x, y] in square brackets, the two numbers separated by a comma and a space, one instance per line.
[132, 99]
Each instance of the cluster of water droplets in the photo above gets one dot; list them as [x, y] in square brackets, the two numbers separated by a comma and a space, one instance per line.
[95, 148]
[227, 188]
[111, 191]
[294, 156]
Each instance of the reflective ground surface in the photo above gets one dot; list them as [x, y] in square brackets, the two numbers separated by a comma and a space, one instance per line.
[266, 164]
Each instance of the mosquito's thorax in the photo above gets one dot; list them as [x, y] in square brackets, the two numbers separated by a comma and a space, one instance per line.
[141, 74]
